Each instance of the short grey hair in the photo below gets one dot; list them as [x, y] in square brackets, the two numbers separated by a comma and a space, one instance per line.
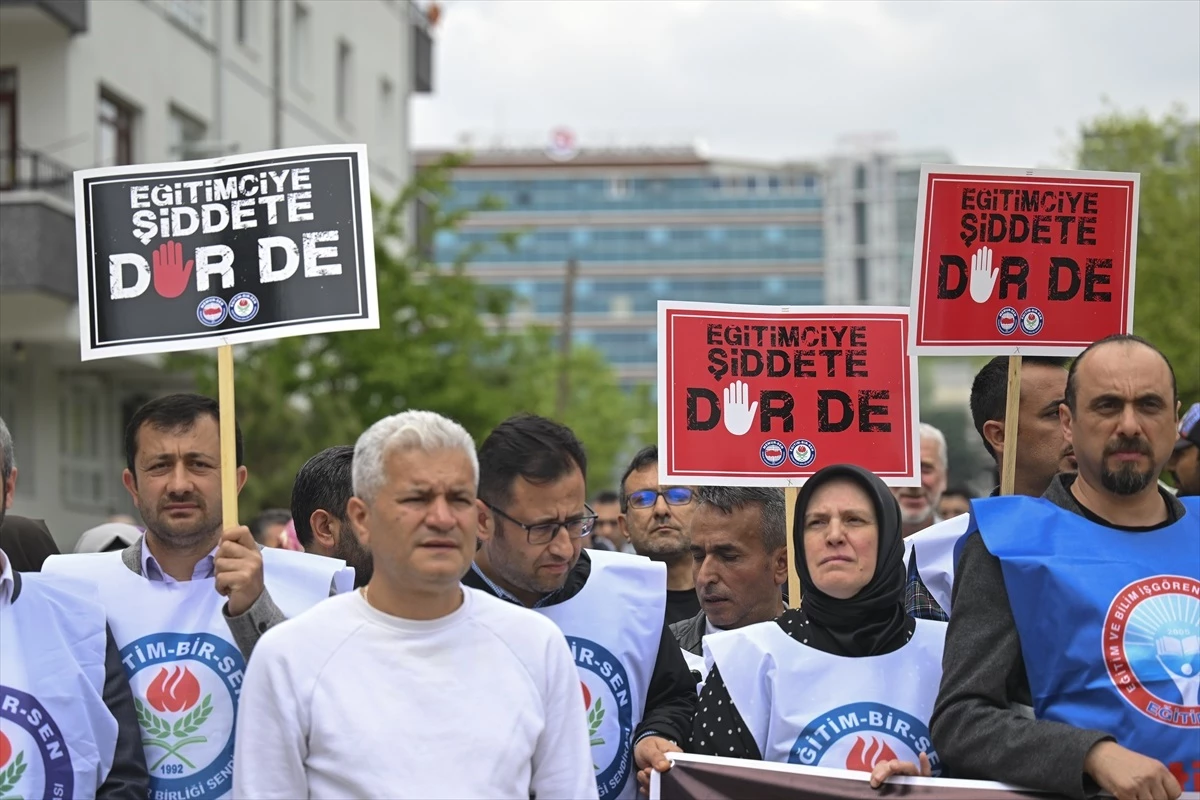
[930, 432]
[8, 459]
[770, 503]
[408, 430]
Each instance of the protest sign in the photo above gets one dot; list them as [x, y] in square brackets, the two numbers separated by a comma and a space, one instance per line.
[768, 395]
[1030, 261]
[694, 777]
[245, 248]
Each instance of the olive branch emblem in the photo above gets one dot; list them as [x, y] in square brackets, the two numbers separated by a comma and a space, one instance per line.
[10, 776]
[159, 730]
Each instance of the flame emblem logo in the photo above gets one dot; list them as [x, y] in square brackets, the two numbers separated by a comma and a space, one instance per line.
[175, 691]
[12, 772]
[863, 757]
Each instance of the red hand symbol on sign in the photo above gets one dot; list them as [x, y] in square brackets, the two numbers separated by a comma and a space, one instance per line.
[170, 273]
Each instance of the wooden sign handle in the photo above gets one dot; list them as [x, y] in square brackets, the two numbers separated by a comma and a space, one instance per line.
[1012, 409]
[789, 498]
[229, 465]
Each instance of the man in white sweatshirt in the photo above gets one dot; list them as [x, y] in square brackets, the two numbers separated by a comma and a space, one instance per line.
[414, 686]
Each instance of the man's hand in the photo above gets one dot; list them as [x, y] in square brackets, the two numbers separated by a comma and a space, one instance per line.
[1128, 775]
[239, 569]
[885, 769]
[651, 754]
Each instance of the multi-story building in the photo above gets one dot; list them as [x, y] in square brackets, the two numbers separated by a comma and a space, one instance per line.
[636, 226]
[870, 224]
[85, 84]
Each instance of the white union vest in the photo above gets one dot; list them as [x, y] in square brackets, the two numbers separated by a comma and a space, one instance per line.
[614, 627]
[184, 668]
[57, 736]
[805, 706]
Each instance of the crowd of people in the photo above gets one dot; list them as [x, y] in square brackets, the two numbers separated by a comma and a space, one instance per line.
[460, 621]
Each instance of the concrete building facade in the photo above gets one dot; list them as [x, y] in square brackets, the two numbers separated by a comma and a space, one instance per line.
[87, 83]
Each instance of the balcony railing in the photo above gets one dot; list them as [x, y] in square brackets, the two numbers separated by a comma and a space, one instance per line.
[30, 170]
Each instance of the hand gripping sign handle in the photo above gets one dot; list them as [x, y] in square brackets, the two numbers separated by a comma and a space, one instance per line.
[789, 498]
[229, 490]
[1012, 408]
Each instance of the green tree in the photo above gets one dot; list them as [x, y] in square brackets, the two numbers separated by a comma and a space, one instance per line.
[1166, 152]
[445, 343]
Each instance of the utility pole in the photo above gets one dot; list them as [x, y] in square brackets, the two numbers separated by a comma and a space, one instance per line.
[566, 331]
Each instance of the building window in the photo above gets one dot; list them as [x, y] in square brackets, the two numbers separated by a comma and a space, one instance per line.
[860, 223]
[82, 451]
[860, 278]
[8, 127]
[387, 112]
[245, 22]
[185, 133]
[345, 81]
[301, 45]
[618, 187]
[860, 177]
[189, 12]
[116, 131]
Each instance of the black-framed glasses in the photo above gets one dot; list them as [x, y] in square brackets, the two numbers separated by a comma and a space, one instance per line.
[544, 532]
[675, 496]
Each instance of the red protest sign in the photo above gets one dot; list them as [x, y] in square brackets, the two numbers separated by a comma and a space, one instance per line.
[768, 395]
[1029, 261]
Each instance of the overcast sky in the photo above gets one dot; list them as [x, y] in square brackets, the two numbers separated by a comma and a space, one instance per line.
[995, 83]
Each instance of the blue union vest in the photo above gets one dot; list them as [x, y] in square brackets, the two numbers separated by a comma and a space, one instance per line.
[1109, 622]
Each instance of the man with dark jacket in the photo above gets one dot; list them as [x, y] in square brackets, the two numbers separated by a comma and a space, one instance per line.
[1066, 664]
[739, 554]
[638, 694]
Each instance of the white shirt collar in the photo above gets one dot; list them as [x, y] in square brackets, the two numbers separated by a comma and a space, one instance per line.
[7, 583]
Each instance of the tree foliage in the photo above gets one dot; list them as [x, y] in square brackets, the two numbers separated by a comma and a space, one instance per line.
[445, 343]
[1166, 152]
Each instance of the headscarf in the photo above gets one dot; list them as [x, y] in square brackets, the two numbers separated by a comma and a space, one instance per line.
[109, 535]
[873, 621]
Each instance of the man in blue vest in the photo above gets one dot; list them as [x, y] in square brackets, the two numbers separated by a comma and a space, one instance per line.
[636, 689]
[1072, 658]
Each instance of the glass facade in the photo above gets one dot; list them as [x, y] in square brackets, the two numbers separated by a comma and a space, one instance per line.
[707, 232]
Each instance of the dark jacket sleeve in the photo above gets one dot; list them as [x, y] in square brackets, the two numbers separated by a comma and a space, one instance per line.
[977, 732]
[128, 778]
[718, 728]
[27, 542]
[671, 698]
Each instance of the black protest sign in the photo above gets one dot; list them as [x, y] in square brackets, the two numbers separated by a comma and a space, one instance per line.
[203, 253]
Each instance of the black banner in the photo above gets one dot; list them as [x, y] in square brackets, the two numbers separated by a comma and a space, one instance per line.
[710, 778]
[186, 256]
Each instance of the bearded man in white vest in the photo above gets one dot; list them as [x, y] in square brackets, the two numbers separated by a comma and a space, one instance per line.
[188, 600]
[637, 692]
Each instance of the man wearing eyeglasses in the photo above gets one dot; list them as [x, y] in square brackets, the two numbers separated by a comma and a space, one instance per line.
[656, 519]
[638, 695]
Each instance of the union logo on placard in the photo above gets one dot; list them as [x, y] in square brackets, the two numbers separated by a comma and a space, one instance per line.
[243, 307]
[34, 758]
[773, 453]
[1151, 645]
[802, 452]
[860, 735]
[186, 689]
[609, 708]
[212, 311]
[1006, 320]
[1031, 320]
